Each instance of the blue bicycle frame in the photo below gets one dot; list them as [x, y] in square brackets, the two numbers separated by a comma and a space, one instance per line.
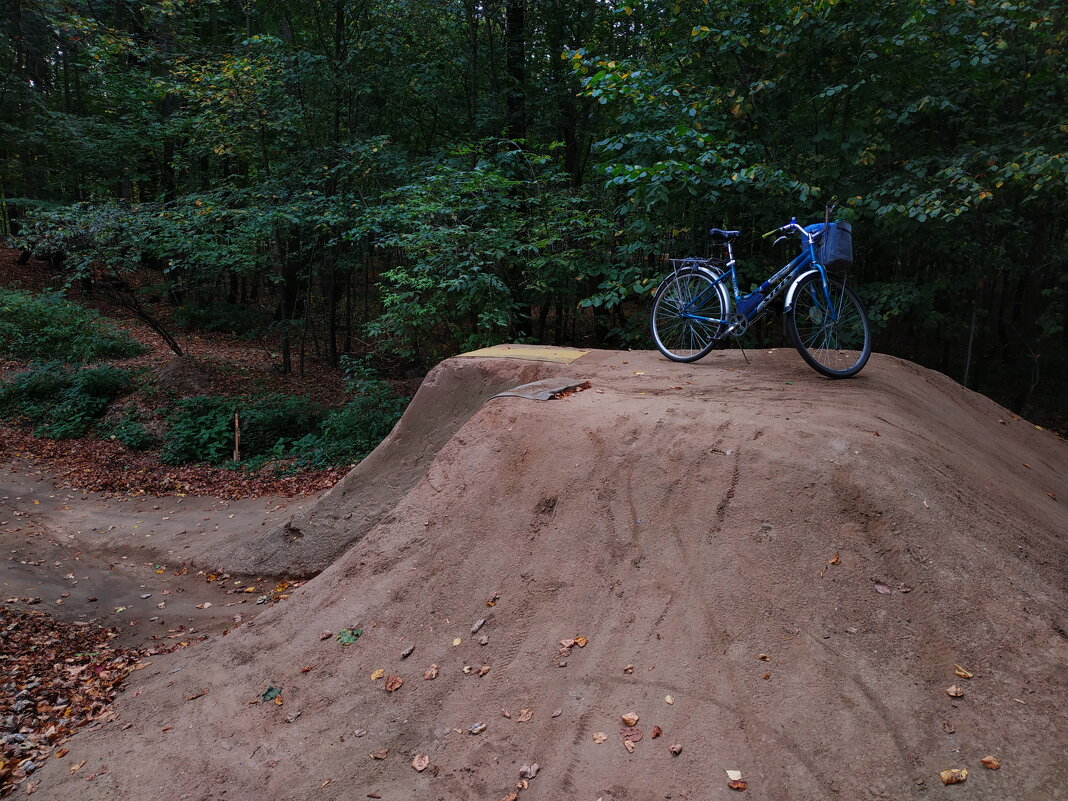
[789, 276]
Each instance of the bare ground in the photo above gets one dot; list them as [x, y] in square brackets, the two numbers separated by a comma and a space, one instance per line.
[799, 564]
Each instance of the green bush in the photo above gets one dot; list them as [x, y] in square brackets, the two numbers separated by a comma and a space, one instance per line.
[201, 429]
[131, 432]
[348, 434]
[224, 318]
[47, 326]
[63, 403]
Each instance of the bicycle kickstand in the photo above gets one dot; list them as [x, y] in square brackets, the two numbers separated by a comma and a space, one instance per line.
[738, 342]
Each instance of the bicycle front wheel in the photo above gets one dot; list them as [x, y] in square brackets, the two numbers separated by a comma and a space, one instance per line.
[834, 338]
[689, 314]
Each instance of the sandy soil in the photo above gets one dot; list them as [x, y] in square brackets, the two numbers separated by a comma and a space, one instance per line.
[86, 557]
[796, 564]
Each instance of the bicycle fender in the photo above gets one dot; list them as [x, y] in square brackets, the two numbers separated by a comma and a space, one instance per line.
[706, 270]
[789, 304]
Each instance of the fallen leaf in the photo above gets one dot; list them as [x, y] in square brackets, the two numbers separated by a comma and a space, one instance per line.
[628, 669]
[954, 690]
[763, 657]
[766, 676]
[505, 713]
[478, 728]
[195, 696]
[430, 673]
[556, 713]
[512, 796]
[947, 727]
[964, 674]
[325, 782]
[421, 763]
[75, 768]
[524, 715]
[600, 737]
[205, 605]
[668, 699]
[882, 589]
[529, 771]
[456, 642]
[581, 642]
[568, 643]
[482, 671]
[630, 719]
[629, 746]
[379, 754]
[734, 775]
[307, 668]
[393, 683]
[675, 749]
[631, 733]
[62, 752]
[657, 731]
[278, 700]
[349, 636]
[990, 762]
[836, 560]
[492, 600]
[737, 784]
[378, 674]
[953, 775]
[270, 694]
[325, 635]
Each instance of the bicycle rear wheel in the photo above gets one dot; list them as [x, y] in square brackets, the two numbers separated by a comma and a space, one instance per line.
[834, 339]
[688, 314]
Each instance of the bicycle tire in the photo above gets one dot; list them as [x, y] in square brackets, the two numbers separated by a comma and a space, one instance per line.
[838, 345]
[681, 338]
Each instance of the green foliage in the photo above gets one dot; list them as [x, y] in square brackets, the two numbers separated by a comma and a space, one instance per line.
[131, 432]
[201, 429]
[63, 403]
[481, 245]
[47, 326]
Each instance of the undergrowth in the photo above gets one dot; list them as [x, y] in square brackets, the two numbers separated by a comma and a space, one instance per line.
[62, 402]
[47, 326]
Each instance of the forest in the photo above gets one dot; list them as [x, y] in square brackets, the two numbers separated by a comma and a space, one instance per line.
[379, 184]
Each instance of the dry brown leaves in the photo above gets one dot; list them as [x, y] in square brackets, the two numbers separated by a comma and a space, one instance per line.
[525, 715]
[953, 775]
[393, 683]
[430, 673]
[109, 467]
[954, 690]
[990, 762]
[630, 719]
[964, 674]
[44, 661]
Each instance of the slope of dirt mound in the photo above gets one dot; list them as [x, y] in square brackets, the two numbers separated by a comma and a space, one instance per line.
[777, 571]
[449, 395]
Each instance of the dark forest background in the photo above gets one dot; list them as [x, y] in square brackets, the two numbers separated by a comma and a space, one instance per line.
[400, 180]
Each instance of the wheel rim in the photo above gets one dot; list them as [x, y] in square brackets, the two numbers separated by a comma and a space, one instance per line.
[676, 331]
[835, 337]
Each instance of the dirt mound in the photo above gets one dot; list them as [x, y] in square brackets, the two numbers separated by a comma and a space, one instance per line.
[777, 571]
[312, 540]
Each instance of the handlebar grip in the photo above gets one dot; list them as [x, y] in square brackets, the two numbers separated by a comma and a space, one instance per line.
[770, 233]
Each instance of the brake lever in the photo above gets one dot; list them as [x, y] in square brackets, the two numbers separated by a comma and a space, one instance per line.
[780, 239]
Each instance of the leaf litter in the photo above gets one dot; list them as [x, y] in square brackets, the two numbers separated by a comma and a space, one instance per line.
[57, 679]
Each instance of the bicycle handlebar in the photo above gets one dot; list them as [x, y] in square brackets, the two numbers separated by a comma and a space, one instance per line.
[790, 226]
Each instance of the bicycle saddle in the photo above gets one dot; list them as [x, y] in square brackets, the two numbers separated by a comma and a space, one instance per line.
[721, 237]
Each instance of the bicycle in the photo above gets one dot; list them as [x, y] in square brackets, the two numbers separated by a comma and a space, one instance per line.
[826, 322]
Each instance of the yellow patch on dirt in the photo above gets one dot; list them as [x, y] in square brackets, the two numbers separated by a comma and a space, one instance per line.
[533, 353]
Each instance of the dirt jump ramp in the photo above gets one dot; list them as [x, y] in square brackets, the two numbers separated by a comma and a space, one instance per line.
[777, 573]
[311, 540]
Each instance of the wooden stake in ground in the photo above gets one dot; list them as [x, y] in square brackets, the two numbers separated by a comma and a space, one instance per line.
[237, 437]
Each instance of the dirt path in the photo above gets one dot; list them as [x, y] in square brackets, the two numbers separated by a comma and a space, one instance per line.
[778, 572]
[81, 556]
